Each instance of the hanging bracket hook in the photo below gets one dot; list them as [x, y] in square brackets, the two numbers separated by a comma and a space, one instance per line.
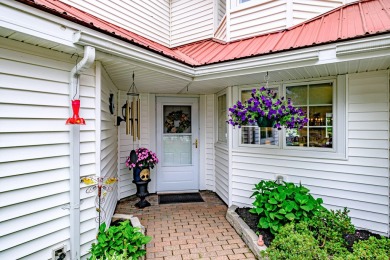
[266, 78]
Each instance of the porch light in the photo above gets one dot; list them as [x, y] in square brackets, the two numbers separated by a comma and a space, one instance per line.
[75, 119]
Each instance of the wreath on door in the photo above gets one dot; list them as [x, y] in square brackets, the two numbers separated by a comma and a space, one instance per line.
[177, 122]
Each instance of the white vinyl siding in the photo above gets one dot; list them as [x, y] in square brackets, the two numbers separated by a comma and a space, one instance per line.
[108, 144]
[191, 21]
[257, 19]
[209, 149]
[304, 10]
[221, 10]
[220, 33]
[34, 151]
[263, 16]
[146, 18]
[359, 182]
[222, 172]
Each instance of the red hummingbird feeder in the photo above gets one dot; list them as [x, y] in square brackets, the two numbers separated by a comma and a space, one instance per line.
[75, 119]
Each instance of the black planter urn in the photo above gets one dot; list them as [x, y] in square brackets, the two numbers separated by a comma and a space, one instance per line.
[141, 178]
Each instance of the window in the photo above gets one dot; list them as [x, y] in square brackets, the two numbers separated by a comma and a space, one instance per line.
[323, 137]
[244, 1]
[222, 117]
[317, 101]
[258, 135]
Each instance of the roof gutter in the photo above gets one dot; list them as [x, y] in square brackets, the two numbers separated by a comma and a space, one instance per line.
[144, 58]
[111, 46]
[74, 176]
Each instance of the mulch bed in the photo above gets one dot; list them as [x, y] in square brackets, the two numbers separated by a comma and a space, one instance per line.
[252, 220]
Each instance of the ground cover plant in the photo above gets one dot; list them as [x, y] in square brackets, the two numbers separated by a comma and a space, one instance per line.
[316, 234]
[122, 241]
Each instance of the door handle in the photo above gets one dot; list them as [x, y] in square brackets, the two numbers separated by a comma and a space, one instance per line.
[196, 143]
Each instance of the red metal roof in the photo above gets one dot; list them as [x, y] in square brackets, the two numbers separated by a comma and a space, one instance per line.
[355, 20]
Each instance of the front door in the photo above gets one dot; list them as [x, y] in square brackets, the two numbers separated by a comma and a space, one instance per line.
[177, 144]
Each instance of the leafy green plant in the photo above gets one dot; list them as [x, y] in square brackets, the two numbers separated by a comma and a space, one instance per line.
[328, 228]
[294, 242]
[371, 249]
[121, 239]
[115, 256]
[278, 204]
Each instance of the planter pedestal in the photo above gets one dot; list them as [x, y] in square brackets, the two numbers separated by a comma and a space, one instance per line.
[142, 193]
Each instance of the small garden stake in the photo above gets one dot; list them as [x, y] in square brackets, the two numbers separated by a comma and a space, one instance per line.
[99, 184]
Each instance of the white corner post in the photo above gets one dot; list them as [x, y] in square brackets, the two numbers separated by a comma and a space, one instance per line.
[74, 175]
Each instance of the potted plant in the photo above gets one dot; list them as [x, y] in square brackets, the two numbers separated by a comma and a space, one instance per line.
[266, 110]
[145, 159]
[140, 161]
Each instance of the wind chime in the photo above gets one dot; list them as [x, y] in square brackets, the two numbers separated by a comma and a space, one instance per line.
[131, 113]
[133, 117]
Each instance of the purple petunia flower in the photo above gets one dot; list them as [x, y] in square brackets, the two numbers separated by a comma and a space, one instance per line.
[264, 102]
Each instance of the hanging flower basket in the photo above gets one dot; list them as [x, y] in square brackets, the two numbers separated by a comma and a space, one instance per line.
[266, 110]
[263, 121]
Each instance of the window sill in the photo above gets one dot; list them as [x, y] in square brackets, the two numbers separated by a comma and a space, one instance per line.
[290, 152]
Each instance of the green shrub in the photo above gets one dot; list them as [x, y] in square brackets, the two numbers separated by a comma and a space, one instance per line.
[294, 242]
[278, 204]
[119, 240]
[112, 257]
[328, 228]
[371, 249]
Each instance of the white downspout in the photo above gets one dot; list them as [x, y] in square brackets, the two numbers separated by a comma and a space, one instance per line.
[74, 177]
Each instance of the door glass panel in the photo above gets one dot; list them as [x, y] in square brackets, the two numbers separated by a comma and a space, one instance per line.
[177, 138]
[177, 119]
[177, 150]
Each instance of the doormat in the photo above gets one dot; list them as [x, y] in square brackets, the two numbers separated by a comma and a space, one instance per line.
[179, 198]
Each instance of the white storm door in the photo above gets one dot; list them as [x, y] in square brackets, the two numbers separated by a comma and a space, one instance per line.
[177, 144]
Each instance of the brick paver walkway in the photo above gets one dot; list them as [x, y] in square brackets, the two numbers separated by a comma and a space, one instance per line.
[188, 230]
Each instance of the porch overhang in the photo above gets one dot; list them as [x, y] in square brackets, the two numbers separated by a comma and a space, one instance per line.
[366, 54]
[159, 74]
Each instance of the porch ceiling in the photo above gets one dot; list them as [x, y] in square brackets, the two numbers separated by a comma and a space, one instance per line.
[150, 81]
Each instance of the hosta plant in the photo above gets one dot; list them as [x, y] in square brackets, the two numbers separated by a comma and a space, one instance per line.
[278, 204]
[121, 239]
